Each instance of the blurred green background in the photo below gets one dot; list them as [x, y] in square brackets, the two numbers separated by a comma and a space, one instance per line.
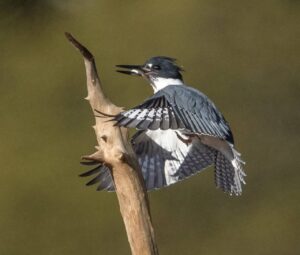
[243, 54]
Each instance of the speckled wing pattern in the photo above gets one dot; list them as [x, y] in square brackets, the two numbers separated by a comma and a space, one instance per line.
[177, 107]
[155, 113]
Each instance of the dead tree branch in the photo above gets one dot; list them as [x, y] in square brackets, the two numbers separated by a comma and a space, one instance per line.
[115, 150]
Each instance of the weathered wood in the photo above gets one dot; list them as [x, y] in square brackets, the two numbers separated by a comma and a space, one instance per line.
[115, 150]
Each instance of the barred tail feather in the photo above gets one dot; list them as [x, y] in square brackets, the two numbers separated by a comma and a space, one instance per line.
[239, 174]
[229, 175]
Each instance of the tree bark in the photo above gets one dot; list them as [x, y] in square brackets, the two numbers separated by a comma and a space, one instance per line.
[115, 150]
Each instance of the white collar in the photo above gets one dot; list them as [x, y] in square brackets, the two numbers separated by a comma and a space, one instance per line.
[160, 83]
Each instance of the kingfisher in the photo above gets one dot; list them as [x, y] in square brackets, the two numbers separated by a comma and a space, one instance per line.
[180, 132]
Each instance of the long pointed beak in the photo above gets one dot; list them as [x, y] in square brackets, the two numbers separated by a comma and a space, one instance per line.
[133, 69]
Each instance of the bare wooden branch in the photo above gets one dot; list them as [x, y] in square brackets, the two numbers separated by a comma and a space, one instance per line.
[115, 150]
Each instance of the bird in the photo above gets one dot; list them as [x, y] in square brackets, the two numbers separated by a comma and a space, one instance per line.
[180, 132]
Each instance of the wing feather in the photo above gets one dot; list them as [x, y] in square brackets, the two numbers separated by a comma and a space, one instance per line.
[165, 122]
[103, 177]
[153, 114]
[173, 120]
[148, 120]
[178, 107]
[165, 159]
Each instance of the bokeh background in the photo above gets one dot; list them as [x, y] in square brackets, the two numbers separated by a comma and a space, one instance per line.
[243, 54]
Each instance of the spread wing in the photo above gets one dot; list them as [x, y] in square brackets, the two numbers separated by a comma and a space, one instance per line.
[155, 113]
[177, 107]
[165, 159]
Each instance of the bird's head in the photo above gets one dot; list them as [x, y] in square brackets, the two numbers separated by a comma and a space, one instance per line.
[159, 71]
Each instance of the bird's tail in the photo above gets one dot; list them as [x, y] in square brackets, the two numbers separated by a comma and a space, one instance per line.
[229, 173]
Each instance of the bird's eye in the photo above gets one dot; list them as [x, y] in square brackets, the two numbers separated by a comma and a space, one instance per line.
[156, 67]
